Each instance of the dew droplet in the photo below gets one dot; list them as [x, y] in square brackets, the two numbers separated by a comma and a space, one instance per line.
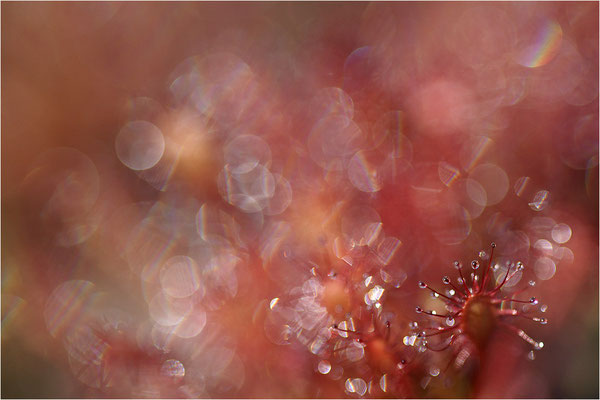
[383, 382]
[451, 292]
[422, 285]
[543, 321]
[533, 301]
[273, 303]
[375, 293]
[531, 355]
[173, 369]
[457, 265]
[413, 325]
[482, 255]
[356, 385]
[446, 280]
[532, 283]
[409, 340]
[418, 309]
[493, 244]
[475, 264]
[538, 345]
[450, 321]
[540, 200]
[544, 308]
[434, 371]
[460, 281]
[324, 367]
[520, 266]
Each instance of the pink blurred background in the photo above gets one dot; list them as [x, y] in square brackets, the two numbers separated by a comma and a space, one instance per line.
[180, 182]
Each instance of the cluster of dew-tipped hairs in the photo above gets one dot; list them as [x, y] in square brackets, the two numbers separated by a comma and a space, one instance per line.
[481, 297]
